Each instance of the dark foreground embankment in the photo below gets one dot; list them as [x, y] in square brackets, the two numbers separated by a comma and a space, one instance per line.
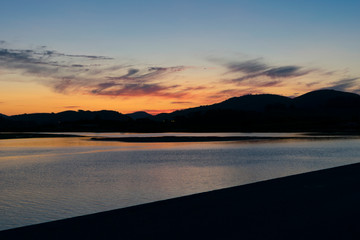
[318, 205]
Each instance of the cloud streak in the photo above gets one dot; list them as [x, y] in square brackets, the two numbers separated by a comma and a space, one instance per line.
[89, 74]
[71, 107]
[152, 73]
[43, 62]
[346, 84]
[257, 73]
[148, 89]
[249, 67]
[228, 93]
[137, 82]
[41, 56]
[181, 102]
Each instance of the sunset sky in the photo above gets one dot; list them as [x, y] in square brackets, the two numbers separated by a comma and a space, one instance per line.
[160, 56]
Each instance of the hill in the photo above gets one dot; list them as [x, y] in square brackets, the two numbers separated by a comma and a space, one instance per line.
[321, 110]
[256, 103]
[3, 116]
[327, 99]
[66, 121]
[140, 115]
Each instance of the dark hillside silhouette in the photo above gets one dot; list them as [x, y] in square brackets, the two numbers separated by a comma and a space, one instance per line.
[66, 121]
[140, 115]
[255, 103]
[321, 110]
[258, 103]
[71, 116]
[327, 99]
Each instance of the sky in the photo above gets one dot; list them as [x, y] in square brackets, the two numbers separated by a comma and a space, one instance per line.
[160, 56]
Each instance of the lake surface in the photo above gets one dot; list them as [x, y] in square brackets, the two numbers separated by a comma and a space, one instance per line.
[49, 179]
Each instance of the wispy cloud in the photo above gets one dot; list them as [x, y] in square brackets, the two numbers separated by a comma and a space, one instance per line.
[313, 83]
[346, 84]
[71, 107]
[45, 63]
[63, 85]
[227, 93]
[147, 89]
[89, 74]
[137, 82]
[41, 56]
[189, 89]
[251, 66]
[256, 69]
[181, 102]
[257, 73]
[285, 72]
[136, 75]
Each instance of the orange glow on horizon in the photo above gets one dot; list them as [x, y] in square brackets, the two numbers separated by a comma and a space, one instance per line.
[21, 94]
[40, 99]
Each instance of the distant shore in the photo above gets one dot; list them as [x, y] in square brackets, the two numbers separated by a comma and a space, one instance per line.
[210, 138]
[183, 139]
[33, 135]
[163, 139]
[317, 205]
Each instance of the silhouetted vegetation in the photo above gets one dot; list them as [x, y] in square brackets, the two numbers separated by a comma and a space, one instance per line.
[322, 110]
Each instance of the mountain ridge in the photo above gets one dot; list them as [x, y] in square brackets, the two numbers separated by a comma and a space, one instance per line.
[316, 110]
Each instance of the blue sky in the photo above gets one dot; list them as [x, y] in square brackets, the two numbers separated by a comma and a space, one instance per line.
[321, 37]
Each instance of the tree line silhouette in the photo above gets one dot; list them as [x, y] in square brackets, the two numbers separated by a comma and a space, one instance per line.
[321, 110]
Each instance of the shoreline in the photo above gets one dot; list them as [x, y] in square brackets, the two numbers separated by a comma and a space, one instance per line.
[20, 135]
[165, 139]
[315, 205]
[182, 139]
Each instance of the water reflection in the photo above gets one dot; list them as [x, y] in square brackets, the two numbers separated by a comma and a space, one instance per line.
[48, 179]
[187, 134]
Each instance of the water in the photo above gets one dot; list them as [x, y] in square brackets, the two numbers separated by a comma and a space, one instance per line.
[48, 179]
